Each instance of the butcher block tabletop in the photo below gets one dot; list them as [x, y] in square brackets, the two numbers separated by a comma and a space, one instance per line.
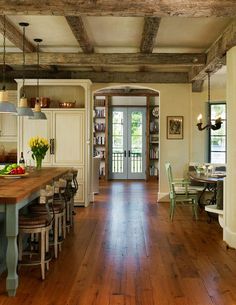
[14, 189]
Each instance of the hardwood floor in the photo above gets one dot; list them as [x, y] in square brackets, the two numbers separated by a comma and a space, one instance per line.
[125, 251]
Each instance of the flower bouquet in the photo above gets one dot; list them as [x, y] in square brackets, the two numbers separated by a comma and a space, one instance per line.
[39, 147]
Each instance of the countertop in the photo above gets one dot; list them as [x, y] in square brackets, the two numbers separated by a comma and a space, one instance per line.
[13, 190]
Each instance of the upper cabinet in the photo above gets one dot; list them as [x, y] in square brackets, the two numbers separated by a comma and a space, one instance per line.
[8, 122]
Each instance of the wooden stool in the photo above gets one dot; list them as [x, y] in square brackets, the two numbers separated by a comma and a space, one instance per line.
[69, 195]
[38, 227]
[75, 186]
[59, 204]
[57, 209]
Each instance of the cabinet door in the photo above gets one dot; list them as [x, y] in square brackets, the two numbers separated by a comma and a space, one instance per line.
[33, 128]
[68, 134]
[8, 122]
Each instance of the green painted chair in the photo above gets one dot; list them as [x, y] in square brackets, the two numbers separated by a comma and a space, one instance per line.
[179, 191]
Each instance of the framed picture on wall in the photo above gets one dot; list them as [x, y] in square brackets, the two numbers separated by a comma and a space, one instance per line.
[175, 127]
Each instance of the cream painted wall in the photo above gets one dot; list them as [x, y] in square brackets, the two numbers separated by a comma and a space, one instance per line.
[178, 99]
[175, 99]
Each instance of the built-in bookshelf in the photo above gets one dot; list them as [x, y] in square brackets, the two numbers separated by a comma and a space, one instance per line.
[153, 137]
[100, 133]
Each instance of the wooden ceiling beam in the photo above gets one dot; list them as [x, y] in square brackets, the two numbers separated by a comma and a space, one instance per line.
[106, 77]
[108, 59]
[216, 54]
[15, 36]
[165, 8]
[77, 26]
[150, 29]
[197, 86]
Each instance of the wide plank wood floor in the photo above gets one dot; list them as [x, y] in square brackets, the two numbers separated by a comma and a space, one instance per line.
[125, 251]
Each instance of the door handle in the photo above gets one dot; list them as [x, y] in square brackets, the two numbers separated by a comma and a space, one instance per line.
[125, 153]
[129, 153]
[52, 146]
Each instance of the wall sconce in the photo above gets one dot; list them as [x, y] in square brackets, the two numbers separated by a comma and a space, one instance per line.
[218, 121]
[215, 126]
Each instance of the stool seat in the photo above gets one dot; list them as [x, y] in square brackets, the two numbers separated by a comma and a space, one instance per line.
[37, 221]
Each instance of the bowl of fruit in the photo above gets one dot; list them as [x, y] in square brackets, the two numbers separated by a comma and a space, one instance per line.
[13, 171]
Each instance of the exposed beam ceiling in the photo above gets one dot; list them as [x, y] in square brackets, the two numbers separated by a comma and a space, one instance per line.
[108, 77]
[216, 54]
[15, 36]
[150, 29]
[185, 8]
[115, 59]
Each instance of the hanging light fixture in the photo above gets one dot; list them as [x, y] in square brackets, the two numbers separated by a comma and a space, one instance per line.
[209, 125]
[23, 109]
[38, 114]
[5, 106]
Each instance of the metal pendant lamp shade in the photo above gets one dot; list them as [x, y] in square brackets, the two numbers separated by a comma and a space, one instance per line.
[38, 114]
[23, 109]
[5, 105]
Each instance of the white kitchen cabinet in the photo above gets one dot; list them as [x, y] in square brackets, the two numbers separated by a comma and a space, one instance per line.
[67, 129]
[8, 122]
[69, 137]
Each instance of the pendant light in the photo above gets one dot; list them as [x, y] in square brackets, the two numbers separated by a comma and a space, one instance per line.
[218, 121]
[23, 109]
[38, 114]
[5, 106]
[209, 125]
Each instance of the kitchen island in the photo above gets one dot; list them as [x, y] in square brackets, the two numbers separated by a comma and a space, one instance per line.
[16, 193]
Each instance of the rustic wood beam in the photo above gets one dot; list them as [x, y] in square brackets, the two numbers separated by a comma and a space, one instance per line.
[107, 77]
[197, 86]
[150, 29]
[185, 8]
[77, 26]
[107, 59]
[15, 36]
[216, 53]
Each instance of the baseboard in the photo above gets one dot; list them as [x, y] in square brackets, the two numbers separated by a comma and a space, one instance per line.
[162, 197]
[230, 237]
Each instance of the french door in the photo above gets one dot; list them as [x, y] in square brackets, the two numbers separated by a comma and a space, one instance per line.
[127, 143]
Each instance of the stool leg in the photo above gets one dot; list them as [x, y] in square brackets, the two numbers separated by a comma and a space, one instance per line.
[42, 250]
[64, 225]
[60, 223]
[71, 211]
[56, 236]
[47, 246]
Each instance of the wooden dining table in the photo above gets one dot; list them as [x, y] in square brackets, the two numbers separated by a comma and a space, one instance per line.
[16, 193]
[210, 183]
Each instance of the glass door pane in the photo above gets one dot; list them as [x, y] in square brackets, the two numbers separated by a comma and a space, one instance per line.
[136, 143]
[118, 144]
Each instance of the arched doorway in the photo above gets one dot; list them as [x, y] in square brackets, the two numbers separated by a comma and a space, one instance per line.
[137, 108]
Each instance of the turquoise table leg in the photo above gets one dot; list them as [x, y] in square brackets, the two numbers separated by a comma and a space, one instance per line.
[12, 249]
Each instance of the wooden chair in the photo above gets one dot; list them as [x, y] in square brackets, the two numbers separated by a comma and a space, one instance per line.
[179, 191]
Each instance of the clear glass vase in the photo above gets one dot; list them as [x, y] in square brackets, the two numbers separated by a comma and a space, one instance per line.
[38, 161]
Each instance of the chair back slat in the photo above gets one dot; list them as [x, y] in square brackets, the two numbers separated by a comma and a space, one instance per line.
[170, 180]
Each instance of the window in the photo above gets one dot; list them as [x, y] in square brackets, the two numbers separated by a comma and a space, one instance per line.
[217, 138]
